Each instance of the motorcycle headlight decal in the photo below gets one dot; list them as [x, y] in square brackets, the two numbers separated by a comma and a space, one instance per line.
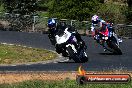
[106, 38]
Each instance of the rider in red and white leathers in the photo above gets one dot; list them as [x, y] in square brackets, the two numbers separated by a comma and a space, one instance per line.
[100, 26]
[97, 22]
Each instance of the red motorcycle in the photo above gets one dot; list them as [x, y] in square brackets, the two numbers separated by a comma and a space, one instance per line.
[108, 39]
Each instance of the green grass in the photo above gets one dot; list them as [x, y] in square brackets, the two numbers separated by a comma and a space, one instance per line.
[61, 84]
[43, 14]
[18, 54]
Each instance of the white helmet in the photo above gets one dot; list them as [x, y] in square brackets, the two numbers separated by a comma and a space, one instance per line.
[95, 18]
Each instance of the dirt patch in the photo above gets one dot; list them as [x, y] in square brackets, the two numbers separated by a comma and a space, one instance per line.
[24, 76]
[13, 77]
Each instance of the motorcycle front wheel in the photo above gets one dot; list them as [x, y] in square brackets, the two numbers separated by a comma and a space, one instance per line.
[116, 48]
[75, 57]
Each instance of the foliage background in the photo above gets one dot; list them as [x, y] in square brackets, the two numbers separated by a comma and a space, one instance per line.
[117, 11]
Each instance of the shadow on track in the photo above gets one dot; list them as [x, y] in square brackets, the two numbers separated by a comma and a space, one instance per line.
[108, 53]
[67, 61]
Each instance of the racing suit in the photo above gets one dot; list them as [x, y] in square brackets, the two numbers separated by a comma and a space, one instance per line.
[99, 29]
[51, 35]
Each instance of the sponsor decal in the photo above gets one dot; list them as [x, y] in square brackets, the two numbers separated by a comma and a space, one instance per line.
[83, 77]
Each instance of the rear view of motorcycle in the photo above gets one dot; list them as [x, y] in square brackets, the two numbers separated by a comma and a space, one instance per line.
[67, 44]
[109, 40]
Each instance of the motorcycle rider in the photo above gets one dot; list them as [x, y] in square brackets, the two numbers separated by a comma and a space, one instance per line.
[58, 28]
[101, 27]
[97, 22]
[52, 30]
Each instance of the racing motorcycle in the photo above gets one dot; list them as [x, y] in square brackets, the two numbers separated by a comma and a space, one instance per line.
[67, 44]
[108, 39]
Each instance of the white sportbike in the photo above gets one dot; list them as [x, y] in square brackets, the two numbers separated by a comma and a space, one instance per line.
[67, 44]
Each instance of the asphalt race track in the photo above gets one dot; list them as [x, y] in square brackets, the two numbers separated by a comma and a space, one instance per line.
[98, 59]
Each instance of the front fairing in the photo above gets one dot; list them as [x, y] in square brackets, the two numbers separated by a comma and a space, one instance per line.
[63, 38]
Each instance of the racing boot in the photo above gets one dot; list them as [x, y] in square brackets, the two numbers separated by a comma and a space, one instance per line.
[58, 49]
[105, 49]
[120, 40]
[82, 45]
[102, 44]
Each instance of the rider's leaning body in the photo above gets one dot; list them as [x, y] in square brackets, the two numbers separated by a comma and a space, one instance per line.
[99, 26]
[58, 28]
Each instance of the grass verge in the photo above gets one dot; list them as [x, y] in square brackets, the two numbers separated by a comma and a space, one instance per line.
[13, 54]
[62, 84]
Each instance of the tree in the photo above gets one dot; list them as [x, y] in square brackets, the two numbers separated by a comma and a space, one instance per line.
[129, 2]
[129, 12]
[43, 5]
[101, 1]
[73, 9]
[20, 6]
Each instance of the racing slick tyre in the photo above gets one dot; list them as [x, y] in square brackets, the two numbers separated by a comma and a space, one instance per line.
[116, 49]
[74, 56]
[84, 58]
